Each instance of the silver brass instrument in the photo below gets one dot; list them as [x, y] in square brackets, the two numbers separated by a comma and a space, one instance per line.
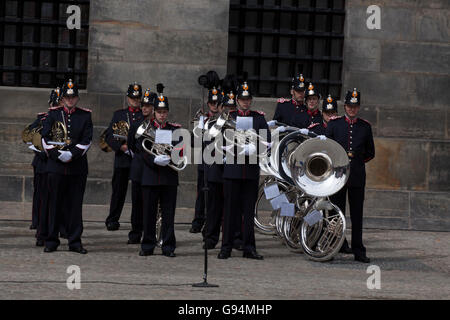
[156, 149]
[308, 170]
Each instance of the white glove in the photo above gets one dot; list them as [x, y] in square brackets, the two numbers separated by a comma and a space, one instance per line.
[272, 123]
[162, 160]
[65, 156]
[322, 137]
[304, 131]
[32, 147]
[248, 149]
[281, 129]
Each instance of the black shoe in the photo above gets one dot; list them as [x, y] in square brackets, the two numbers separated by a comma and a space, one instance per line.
[346, 249]
[80, 250]
[39, 243]
[224, 255]
[209, 245]
[253, 255]
[112, 226]
[169, 254]
[46, 249]
[133, 241]
[33, 227]
[362, 258]
[195, 230]
[144, 253]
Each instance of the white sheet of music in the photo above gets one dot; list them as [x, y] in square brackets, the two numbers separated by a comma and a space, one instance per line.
[313, 217]
[278, 201]
[272, 191]
[287, 209]
[163, 136]
[244, 123]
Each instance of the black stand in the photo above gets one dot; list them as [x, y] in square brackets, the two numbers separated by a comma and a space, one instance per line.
[205, 189]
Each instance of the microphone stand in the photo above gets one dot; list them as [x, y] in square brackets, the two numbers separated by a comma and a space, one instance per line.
[205, 189]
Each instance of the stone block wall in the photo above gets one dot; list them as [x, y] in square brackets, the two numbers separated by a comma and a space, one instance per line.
[402, 71]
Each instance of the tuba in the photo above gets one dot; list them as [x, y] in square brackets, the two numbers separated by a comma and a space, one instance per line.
[156, 149]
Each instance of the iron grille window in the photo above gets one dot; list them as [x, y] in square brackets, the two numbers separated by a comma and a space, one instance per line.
[272, 40]
[36, 47]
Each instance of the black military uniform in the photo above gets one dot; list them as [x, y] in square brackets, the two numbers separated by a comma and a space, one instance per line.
[39, 163]
[328, 105]
[122, 160]
[199, 217]
[159, 184]
[355, 136]
[288, 111]
[136, 169]
[67, 170]
[309, 117]
[240, 183]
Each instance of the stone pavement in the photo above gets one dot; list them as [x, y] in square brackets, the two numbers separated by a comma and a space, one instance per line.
[414, 265]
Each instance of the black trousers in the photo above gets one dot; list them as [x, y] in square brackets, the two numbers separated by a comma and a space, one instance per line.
[42, 228]
[239, 198]
[119, 193]
[199, 217]
[37, 177]
[215, 212]
[356, 202]
[137, 218]
[65, 196]
[167, 197]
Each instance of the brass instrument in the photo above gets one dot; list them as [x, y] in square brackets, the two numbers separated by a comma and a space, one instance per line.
[120, 130]
[156, 149]
[102, 142]
[60, 138]
[33, 136]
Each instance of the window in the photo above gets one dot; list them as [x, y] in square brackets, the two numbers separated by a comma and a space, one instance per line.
[36, 47]
[272, 40]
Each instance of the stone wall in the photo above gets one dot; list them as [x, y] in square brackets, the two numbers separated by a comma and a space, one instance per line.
[402, 71]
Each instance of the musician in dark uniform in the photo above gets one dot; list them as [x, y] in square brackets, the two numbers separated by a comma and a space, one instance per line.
[214, 99]
[159, 184]
[355, 136]
[39, 163]
[136, 168]
[312, 114]
[67, 166]
[40, 194]
[122, 159]
[240, 181]
[329, 111]
[288, 110]
[214, 173]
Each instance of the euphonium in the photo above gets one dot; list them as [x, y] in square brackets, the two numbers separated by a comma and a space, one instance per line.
[157, 149]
